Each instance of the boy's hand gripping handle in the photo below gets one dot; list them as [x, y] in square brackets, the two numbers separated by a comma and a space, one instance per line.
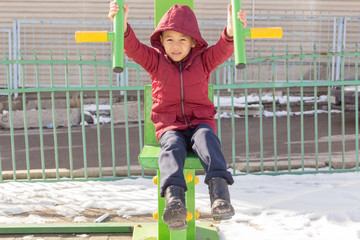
[117, 37]
[240, 33]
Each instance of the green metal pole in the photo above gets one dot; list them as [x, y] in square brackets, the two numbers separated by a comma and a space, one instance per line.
[178, 235]
[26, 135]
[127, 132]
[12, 138]
[163, 230]
[288, 113]
[302, 110]
[190, 204]
[274, 113]
[261, 120]
[68, 118]
[247, 146]
[54, 119]
[42, 155]
[112, 135]
[316, 114]
[343, 108]
[329, 111]
[233, 139]
[98, 118]
[239, 41]
[118, 45]
[67, 228]
[83, 132]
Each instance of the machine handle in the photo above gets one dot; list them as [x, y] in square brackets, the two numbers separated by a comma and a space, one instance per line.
[256, 33]
[239, 41]
[82, 36]
[118, 46]
[117, 36]
[240, 33]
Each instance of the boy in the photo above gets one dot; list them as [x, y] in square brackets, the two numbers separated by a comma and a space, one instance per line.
[179, 65]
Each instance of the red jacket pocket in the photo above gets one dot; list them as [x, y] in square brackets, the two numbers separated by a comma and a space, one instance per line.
[205, 113]
[163, 117]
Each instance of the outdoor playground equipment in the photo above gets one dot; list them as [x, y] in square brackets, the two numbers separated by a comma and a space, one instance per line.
[161, 6]
[148, 157]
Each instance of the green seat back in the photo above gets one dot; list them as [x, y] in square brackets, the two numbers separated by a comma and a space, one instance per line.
[161, 7]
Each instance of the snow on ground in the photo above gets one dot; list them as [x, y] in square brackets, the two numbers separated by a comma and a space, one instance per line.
[320, 206]
[252, 102]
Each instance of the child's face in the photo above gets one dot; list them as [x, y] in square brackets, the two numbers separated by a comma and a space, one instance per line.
[177, 45]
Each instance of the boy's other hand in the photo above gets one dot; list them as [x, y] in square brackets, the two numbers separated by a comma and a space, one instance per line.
[241, 16]
[114, 9]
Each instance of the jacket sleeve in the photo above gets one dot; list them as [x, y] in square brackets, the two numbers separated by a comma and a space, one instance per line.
[142, 54]
[219, 53]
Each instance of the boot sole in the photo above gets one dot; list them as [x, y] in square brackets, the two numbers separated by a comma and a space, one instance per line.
[221, 218]
[223, 215]
[175, 217]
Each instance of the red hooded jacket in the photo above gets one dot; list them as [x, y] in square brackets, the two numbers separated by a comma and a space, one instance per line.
[179, 89]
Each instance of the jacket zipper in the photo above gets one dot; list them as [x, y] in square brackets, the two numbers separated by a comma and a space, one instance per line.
[182, 94]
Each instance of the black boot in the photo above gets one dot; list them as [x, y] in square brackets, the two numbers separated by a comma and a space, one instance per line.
[175, 212]
[221, 208]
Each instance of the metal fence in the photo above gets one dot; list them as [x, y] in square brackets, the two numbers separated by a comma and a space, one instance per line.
[266, 127]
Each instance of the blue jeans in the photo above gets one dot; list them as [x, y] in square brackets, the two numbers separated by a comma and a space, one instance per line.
[205, 144]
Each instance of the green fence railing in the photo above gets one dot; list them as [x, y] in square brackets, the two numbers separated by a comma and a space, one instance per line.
[273, 135]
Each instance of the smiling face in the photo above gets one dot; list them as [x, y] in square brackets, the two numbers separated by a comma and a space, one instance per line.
[177, 45]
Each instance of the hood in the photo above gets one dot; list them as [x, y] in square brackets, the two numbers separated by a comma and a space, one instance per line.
[179, 18]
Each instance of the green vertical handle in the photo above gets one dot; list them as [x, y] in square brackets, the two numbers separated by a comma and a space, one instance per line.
[118, 45]
[239, 41]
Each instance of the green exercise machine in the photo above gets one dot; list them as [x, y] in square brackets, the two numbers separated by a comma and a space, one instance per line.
[148, 157]
[149, 154]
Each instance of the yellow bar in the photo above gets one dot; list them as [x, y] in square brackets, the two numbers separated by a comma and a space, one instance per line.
[91, 37]
[276, 32]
